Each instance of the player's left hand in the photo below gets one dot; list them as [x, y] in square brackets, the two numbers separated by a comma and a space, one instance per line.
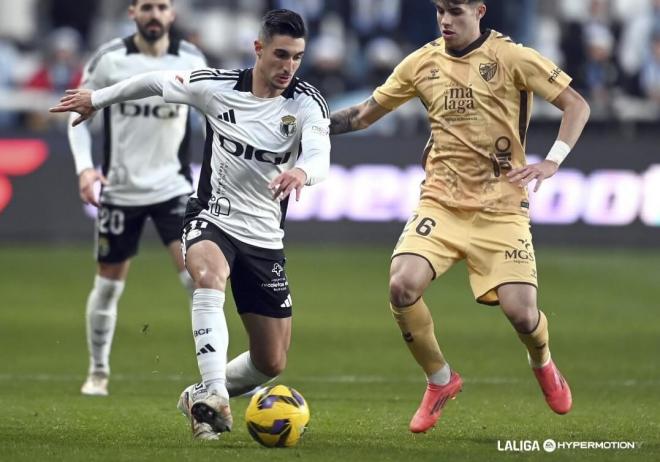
[539, 172]
[80, 101]
[286, 182]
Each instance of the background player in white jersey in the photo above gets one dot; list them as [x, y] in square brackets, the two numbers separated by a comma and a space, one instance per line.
[267, 135]
[143, 175]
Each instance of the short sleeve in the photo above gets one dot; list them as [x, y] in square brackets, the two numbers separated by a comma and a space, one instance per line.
[536, 73]
[399, 86]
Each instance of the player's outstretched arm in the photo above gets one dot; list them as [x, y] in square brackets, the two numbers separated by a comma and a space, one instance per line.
[86, 102]
[356, 117]
[576, 114]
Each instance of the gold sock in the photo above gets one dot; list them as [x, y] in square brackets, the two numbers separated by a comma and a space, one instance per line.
[537, 342]
[417, 328]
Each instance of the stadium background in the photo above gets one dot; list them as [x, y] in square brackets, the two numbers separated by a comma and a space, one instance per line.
[604, 315]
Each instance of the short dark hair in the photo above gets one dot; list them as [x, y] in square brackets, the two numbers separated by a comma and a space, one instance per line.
[460, 2]
[282, 22]
[134, 2]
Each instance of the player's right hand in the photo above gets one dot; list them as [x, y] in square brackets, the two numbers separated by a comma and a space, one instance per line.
[86, 181]
[80, 101]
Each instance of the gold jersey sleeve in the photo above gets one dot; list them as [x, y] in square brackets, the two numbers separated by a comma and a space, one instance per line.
[479, 105]
[534, 72]
[399, 86]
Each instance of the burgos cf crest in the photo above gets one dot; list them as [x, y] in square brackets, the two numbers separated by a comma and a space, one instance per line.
[288, 125]
[488, 71]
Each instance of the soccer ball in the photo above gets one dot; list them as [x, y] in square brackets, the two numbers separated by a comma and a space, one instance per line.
[277, 416]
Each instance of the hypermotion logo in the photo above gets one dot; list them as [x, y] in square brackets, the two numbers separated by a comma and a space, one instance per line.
[17, 158]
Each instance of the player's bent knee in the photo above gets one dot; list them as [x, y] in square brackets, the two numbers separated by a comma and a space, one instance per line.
[403, 292]
[211, 280]
[524, 317]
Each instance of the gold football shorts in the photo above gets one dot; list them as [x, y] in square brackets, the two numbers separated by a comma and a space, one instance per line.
[497, 247]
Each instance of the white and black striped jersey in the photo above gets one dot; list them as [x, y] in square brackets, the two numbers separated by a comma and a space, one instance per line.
[145, 155]
[251, 140]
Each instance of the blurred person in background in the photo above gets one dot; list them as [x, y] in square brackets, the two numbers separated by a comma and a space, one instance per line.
[145, 174]
[373, 18]
[326, 60]
[585, 24]
[474, 203]
[8, 59]
[650, 76]
[636, 36]
[73, 13]
[600, 75]
[61, 69]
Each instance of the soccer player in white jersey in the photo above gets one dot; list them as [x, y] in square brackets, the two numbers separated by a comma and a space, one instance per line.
[267, 136]
[145, 171]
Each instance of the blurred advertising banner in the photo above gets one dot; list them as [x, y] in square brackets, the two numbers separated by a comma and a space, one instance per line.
[606, 193]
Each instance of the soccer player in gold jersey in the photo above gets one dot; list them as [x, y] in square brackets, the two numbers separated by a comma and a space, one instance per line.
[477, 88]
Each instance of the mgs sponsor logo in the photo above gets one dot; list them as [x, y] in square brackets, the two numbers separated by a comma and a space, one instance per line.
[458, 99]
[523, 254]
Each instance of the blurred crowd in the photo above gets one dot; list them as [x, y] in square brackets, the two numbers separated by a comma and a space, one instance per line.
[610, 47]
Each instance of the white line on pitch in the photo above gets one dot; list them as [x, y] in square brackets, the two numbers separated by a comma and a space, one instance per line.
[156, 376]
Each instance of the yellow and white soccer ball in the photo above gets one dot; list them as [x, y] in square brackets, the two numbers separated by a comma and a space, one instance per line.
[277, 416]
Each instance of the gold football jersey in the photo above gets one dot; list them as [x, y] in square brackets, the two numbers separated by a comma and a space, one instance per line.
[479, 103]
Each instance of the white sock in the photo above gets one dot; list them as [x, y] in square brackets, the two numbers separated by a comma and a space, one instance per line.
[187, 283]
[211, 338]
[101, 319]
[440, 377]
[243, 375]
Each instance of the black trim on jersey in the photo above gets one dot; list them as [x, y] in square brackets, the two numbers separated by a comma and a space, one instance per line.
[131, 47]
[184, 153]
[244, 83]
[522, 121]
[204, 187]
[173, 49]
[316, 96]
[213, 74]
[284, 205]
[102, 52]
[289, 92]
[471, 47]
[107, 141]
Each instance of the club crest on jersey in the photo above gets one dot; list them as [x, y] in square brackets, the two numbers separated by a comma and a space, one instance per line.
[488, 71]
[288, 125]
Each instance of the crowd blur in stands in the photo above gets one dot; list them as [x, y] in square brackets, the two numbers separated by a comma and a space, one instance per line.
[610, 47]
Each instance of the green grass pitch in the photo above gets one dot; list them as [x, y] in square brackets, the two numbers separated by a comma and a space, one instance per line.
[347, 358]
